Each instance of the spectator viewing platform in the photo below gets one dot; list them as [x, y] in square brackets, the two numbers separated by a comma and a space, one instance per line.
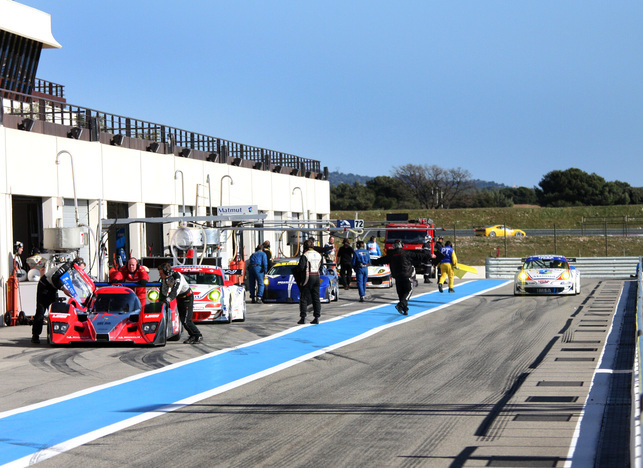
[45, 111]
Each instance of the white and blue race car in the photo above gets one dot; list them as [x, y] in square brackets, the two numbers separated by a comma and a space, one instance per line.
[280, 285]
[547, 275]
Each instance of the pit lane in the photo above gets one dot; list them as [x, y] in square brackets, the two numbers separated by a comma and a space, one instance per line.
[442, 382]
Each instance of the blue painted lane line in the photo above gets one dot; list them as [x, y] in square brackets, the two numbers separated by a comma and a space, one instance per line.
[27, 432]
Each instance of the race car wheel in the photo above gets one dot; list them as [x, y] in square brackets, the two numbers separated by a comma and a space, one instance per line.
[519, 234]
[492, 234]
[243, 316]
[336, 294]
[161, 337]
[168, 334]
[176, 337]
[50, 342]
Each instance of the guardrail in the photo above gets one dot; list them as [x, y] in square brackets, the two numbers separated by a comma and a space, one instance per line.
[637, 391]
[589, 267]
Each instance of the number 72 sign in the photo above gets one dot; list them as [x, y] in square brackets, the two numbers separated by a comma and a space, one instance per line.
[350, 223]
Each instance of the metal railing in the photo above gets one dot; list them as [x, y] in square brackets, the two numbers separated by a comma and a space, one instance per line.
[589, 267]
[637, 372]
[50, 110]
[49, 88]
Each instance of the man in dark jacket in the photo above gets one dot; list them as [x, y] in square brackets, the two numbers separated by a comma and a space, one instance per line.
[401, 262]
[345, 260]
[438, 256]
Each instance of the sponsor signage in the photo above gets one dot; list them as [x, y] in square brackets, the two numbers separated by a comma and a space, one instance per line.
[238, 210]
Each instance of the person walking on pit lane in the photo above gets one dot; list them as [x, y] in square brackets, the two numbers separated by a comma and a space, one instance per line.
[175, 286]
[307, 276]
[345, 254]
[402, 270]
[361, 261]
[448, 262]
[373, 247]
[257, 268]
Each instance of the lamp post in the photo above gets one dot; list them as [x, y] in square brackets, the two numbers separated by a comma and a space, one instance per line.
[182, 187]
[73, 179]
[303, 212]
[221, 189]
[207, 181]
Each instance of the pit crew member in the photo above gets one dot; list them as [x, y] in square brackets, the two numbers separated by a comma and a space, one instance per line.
[402, 270]
[134, 272]
[175, 286]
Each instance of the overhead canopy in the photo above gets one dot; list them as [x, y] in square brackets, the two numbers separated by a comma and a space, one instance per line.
[27, 22]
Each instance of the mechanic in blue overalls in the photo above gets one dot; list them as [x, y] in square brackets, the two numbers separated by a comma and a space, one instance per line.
[257, 267]
[361, 261]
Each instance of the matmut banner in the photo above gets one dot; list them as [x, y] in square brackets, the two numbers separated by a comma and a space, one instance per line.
[237, 210]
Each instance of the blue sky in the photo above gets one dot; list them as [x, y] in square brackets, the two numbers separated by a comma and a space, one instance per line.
[508, 90]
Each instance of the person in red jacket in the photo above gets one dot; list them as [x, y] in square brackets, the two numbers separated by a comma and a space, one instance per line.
[133, 272]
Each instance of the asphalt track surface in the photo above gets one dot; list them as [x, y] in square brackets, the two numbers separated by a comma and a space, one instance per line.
[475, 378]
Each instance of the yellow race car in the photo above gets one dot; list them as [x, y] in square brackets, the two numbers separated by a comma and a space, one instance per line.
[499, 230]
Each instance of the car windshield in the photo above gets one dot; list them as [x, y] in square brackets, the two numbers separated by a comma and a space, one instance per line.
[541, 263]
[407, 237]
[194, 277]
[123, 303]
[281, 270]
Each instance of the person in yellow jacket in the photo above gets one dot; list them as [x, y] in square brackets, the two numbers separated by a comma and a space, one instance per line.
[448, 262]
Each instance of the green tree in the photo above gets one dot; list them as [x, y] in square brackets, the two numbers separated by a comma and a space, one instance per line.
[488, 198]
[351, 197]
[520, 195]
[571, 187]
[390, 194]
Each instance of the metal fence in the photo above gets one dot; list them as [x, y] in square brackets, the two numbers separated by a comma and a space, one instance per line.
[637, 388]
[50, 110]
[589, 267]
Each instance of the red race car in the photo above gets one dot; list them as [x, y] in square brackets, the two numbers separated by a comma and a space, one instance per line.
[112, 314]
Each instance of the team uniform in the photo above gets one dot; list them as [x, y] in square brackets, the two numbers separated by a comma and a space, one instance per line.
[309, 265]
[361, 260]
[257, 268]
[175, 286]
[448, 262]
[139, 276]
[373, 248]
[401, 262]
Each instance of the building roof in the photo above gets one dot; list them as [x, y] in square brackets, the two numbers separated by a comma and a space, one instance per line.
[27, 22]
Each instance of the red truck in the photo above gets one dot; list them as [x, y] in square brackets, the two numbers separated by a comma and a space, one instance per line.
[413, 234]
